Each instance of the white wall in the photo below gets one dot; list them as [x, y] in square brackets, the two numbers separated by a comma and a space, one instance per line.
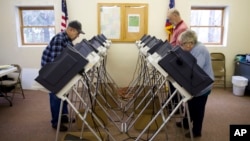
[122, 57]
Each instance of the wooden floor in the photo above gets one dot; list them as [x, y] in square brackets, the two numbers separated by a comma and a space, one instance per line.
[29, 119]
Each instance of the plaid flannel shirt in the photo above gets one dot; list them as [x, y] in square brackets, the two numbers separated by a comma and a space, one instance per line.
[55, 47]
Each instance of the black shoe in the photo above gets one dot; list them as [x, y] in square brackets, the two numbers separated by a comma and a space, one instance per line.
[179, 124]
[187, 135]
[65, 119]
[63, 128]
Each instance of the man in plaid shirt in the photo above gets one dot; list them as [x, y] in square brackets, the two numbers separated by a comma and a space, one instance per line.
[59, 42]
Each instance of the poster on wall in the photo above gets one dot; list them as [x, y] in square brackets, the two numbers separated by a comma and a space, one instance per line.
[110, 21]
[133, 23]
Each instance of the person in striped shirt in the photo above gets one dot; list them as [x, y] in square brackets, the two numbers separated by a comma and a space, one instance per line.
[174, 17]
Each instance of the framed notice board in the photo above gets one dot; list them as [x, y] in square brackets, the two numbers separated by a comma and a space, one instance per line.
[122, 22]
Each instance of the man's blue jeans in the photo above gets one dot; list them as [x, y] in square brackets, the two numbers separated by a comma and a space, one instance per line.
[55, 108]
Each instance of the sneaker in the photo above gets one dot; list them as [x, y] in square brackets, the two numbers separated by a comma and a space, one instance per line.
[63, 128]
[65, 119]
[187, 135]
[179, 124]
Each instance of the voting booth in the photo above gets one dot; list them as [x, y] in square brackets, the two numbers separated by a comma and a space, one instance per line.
[55, 75]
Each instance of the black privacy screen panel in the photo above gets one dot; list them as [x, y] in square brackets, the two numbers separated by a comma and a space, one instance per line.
[55, 75]
[182, 67]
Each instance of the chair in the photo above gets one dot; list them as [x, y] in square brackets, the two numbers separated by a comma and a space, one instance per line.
[12, 82]
[219, 68]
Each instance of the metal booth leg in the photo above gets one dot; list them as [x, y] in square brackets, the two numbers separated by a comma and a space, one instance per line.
[189, 122]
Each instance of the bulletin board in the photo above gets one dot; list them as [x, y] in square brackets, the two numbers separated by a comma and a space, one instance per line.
[123, 22]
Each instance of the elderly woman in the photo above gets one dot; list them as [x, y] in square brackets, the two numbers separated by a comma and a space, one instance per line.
[188, 42]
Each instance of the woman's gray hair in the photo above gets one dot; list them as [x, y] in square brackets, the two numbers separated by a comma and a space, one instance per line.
[188, 36]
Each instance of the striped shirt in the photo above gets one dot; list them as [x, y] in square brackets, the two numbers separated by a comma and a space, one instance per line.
[178, 29]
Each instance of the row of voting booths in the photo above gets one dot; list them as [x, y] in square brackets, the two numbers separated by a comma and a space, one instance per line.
[79, 76]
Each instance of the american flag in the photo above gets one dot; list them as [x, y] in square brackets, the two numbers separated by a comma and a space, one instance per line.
[168, 25]
[64, 15]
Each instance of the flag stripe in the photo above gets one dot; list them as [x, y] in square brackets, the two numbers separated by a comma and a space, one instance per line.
[168, 25]
[64, 17]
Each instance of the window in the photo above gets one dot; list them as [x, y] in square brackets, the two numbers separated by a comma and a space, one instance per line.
[208, 22]
[37, 25]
